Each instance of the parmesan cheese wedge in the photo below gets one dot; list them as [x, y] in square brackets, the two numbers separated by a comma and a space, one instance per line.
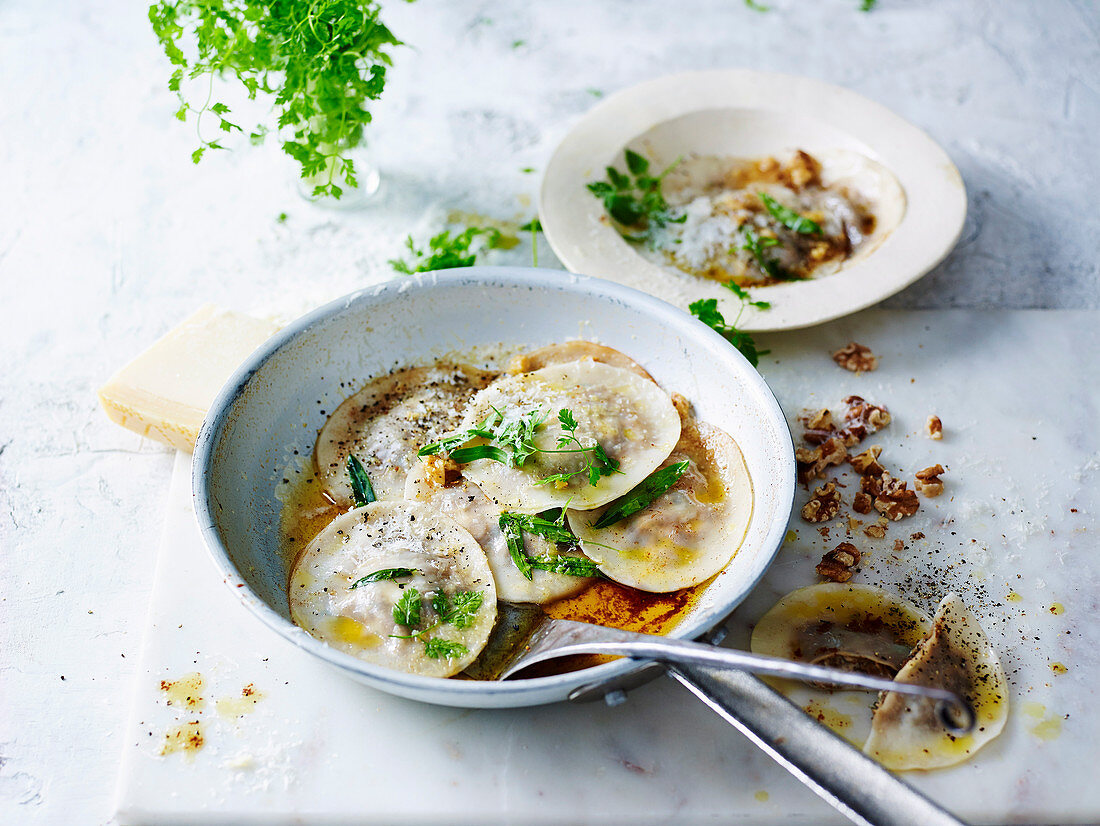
[165, 392]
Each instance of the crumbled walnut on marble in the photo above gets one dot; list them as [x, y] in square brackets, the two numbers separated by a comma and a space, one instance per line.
[899, 545]
[917, 535]
[872, 485]
[442, 471]
[856, 358]
[895, 501]
[812, 462]
[928, 480]
[877, 530]
[819, 426]
[853, 523]
[866, 463]
[863, 503]
[839, 563]
[824, 505]
[861, 419]
[934, 428]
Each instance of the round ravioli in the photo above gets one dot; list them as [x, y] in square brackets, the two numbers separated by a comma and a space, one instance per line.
[447, 492]
[616, 412]
[854, 627]
[385, 423]
[691, 531]
[574, 351]
[956, 655]
[398, 585]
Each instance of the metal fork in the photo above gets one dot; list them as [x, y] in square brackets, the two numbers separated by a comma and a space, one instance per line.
[850, 781]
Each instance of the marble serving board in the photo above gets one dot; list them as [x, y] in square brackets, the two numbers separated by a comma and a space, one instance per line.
[285, 739]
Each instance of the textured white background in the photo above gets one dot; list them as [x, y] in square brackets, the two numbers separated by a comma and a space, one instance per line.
[108, 236]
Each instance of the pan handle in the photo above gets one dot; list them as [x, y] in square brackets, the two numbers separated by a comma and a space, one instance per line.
[851, 782]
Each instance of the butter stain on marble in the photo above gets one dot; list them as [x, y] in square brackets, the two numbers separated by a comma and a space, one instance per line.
[1049, 727]
[233, 707]
[186, 692]
[762, 796]
[1014, 597]
[1057, 608]
[187, 738]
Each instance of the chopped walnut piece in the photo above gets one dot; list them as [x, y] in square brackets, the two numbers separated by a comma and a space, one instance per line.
[854, 523]
[861, 419]
[877, 530]
[929, 482]
[820, 419]
[872, 485]
[899, 545]
[896, 501]
[934, 427]
[442, 471]
[812, 463]
[917, 535]
[823, 506]
[863, 503]
[838, 563]
[866, 463]
[856, 358]
[801, 170]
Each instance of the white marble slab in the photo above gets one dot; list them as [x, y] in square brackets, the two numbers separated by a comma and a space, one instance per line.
[1016, 392]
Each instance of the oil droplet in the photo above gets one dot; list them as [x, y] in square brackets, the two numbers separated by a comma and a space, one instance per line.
[1014, 597]
[1057, 608]
[185, 692]
[830, 717]
[239, 706]
[186, 738]
[1032, 709]
[791, 536]
[762, 796]
[1058, 668]
[1048, 729]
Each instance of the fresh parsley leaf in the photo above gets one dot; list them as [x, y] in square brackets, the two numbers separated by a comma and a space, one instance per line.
[706, 310]
[436, 648]
[867, 5]
[446, 252]
[321, 63]
[788, 217]
[362, 492]
[463, 606]
[644, 495]
[755, 245]
[406, 611]
[384, 573]
[634, 200]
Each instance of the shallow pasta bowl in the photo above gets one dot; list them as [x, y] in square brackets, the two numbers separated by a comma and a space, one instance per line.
[268, 415]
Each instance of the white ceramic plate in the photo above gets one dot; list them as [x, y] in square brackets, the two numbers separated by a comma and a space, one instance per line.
[271, 410]
[750, 114]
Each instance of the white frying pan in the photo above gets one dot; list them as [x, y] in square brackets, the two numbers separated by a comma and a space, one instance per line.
[271, 410]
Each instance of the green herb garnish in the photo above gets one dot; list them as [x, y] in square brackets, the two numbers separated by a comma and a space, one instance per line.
[512, 442]
[437, 647]
[755, 6]
[513, 525]
[406, 611]
[362, 492]
[446, 252]
[534, 226]
[458, 611]
[706, 310]
[788, 217]
[634, 200]
[385, 573]
[755, 245]
[642, 496]
[867, 5]
[321, 63]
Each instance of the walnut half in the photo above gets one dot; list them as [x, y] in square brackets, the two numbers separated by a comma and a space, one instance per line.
[934, 427]
[895, 501]
[856, 358]
[928, 480]
[823, 506]
[838, 564]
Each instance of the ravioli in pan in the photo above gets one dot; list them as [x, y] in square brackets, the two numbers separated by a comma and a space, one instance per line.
[570, 475]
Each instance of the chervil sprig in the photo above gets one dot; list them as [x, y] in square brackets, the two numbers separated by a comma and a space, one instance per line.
[706, 310]
[320, 62]
[634, 198]
[446, 251]
[755, 246]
